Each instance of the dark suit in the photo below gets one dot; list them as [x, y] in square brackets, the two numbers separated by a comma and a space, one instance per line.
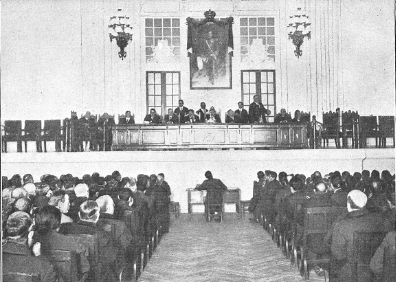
[123, 235]
[203, 115]
[108, 252]
[105, 133]
[156, 119]
[161, 194]
[215, 189]
[257, 110]
[182, 113]
[124, 120]
[241, 117]
[339, 198]
[17, 257]
[267, 199]
[342, 239]
[55, 241]
[229, 119]
[282, 119]
[377, 261]
[171, 119]
[189, 119]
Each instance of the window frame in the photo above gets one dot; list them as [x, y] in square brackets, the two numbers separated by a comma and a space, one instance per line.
[163, 90]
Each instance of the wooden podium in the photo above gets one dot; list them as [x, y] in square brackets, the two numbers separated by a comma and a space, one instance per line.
[196, 199]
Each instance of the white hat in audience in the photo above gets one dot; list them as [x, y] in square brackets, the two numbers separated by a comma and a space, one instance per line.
[6, 193]
[81, 190]
[18, 193]
[106, 204]
[30, 188]
[358, 198]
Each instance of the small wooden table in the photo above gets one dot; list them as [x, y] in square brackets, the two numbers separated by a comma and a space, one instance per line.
[197, 198]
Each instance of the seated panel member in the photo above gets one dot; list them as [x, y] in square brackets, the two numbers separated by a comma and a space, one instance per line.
[191, 117]
[241, 115]
[213, 116]
[257, 111]
[202, 113]
[128, 119]
[297, 116]
[181, 112]
[230, 116]
[152, 118]
[171, 118]
[282, 117]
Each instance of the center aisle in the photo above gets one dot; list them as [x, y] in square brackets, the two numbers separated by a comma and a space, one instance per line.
[233, 250]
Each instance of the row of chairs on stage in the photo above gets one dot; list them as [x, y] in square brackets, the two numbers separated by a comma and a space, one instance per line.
[317, 222]
[70, 135]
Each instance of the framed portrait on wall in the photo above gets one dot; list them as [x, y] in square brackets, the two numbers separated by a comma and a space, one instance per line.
[210, 46]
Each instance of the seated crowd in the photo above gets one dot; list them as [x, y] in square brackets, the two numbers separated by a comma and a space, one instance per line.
[367, 201]
[39, 217]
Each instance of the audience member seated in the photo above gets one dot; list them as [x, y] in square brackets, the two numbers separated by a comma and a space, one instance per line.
[152, 118]
[377, 201]
[60, 200]
[267, 199]
[202, 113]
[181, 112]
[17, 257]
[257, 187]
[213, 116]
[171, 118]
[191, 117]
[22, 204]
[297, 117]
[123, 235]
[87, 224]
[257, 111]
[128, 119]
[241, 115]
[282, 117]
[47, 225]
[377, 261]
[358, 218]
[82, 193]
[28, 178]
[230, 116]
[340, 192]
[105, 133]
[30, 188]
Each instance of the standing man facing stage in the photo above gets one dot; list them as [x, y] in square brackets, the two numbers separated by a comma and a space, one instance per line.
[241, 115]
[181, 112]
[257, 111]
[202, 113]
[215, 189]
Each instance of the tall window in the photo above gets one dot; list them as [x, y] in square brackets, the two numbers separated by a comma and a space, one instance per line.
[258, 27]
[162, 28]
[163, 90]
[261, 82]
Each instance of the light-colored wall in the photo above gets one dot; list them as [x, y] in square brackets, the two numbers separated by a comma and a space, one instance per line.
[186, 169]
[57, 56]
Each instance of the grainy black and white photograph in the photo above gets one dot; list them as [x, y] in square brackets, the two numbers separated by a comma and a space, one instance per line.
[198, 140]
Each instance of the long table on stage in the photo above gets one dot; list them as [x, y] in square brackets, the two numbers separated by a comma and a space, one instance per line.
[139, 137]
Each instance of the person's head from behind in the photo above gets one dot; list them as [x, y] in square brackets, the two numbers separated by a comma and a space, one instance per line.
[345, 175]
[296, 183]
[386, 176]
[60, 200]
[48, 219]
[375, 175]
[16, 181]
[357, 176]
[321, 188]
[18, 193]
[42, 189]
[283, 177]
[356, 200]
[17, 225]
[81, 190]
[106, 204]
[126, 195]
[22, 204]
[365, 175]
[260, 175]
[89, 211]
[350, 182]
[208, 175]
[27, 178]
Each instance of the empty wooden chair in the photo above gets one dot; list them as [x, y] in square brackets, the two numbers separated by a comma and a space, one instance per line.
[364, 246]
[32, 132]
[52, 132]
[349, 129]
[368, 128]
[20, 277]
[65, 263]
[12, 133]
[331, 129]
[317, 222]
[386, 126]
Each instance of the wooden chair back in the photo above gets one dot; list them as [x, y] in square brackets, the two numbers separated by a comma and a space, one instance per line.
[12, 132]
[52, 129]
[20, 277]
[364, 246]
[305, 117]
[330, 123]
[65, 263]
[389, 273]
[386, 126]
[32, 130]
[92, 244]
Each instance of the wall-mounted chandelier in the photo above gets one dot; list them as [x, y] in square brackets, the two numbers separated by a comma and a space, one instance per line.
[120, 29]
[299, 27]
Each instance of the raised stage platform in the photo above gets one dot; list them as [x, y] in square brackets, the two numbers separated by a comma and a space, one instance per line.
[185, 169]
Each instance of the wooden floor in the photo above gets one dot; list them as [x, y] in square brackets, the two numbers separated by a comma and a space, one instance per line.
[233, 250]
